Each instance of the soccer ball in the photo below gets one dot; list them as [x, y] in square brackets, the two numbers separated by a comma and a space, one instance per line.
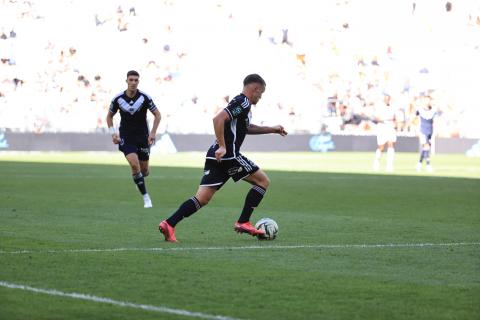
[269, 226]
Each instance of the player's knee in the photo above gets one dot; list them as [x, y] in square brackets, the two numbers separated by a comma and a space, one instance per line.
[265, 182]
[204, 200]
[135, 166]
[205, 194]
[203, 197]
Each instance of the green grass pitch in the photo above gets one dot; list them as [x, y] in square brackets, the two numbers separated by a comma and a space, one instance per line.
[352, 244]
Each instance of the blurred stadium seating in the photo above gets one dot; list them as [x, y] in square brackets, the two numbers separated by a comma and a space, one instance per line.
[327, 65]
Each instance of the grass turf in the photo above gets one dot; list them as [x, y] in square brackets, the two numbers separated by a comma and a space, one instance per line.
[83, 200]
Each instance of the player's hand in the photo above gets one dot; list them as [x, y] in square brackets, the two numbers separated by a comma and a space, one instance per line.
[220, 153]
[115, 138]
[280, 130]
[151, 139]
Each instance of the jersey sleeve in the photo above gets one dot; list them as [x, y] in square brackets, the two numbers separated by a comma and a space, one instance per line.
[151, 105]
[237, 106]
[113, 106]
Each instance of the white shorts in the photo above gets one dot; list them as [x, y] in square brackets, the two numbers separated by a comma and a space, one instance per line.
[425, 138]
[386, 134]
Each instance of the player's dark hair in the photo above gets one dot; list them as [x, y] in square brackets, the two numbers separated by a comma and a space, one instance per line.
[253, 78]
[132, 73]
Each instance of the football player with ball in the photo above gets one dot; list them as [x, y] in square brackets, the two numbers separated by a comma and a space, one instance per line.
[224, 161]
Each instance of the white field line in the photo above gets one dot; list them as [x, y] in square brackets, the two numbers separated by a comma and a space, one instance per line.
[258, 247]
[88, 297]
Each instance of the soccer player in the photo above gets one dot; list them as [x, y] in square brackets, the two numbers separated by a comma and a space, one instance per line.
[224, 160]
[386, 134]
[134, 138]
[426, 115]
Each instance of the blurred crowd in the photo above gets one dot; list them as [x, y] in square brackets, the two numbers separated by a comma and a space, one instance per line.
[329, 65]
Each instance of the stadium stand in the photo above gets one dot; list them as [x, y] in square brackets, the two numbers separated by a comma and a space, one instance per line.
[328, 64]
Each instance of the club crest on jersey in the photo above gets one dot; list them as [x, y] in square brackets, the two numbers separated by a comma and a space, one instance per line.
[237, 111]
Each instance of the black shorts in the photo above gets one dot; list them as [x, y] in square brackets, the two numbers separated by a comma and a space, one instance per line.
[217, 173]
[142, 149]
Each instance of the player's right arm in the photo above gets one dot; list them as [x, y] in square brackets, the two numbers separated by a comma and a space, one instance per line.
[111, 129]
[219, 128]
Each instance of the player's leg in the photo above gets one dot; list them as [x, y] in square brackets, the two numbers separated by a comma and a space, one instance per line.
[213, 179]
[192, 205]
[390, 155]
[186, 209]
[259, 180]
[378, 154]
[422, 140]
[427, 148]
[418, 166]
[138, 178]
[144, 168]
[143, 153]
[381, 142]
[145, 171]
[137, 175]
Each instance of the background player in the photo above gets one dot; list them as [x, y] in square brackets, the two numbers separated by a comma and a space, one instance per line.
[386, 134]
[224, 160]
[135, 138]
[426, 115]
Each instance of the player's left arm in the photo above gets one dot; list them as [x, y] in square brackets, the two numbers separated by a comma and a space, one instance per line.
[156, 122]
[254, 129]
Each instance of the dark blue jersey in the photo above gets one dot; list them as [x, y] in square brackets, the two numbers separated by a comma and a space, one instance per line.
[426, 120]
[235, 128]
[133, 114]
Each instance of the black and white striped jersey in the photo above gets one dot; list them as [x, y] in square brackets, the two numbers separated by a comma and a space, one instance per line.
[133, 114]
[235, 129]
